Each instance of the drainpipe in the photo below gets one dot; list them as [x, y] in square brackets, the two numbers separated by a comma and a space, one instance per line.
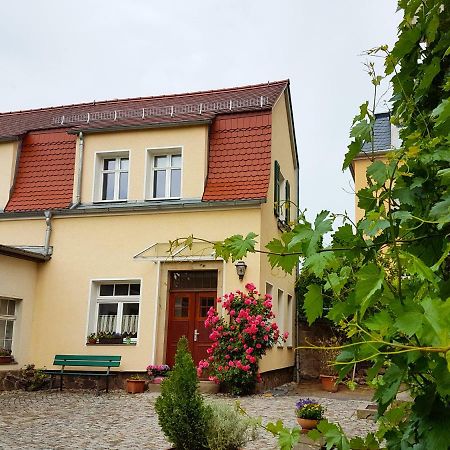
[48, 231]
[79, 171]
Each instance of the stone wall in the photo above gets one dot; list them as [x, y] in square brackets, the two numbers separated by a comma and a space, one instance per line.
[275, 378]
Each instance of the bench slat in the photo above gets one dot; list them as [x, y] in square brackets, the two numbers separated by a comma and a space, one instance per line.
[60, 362]
[89, 357]
[81, 373]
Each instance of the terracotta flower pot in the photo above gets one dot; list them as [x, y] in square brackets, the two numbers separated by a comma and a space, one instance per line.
[329, 383]
[135, 386]
[307, 424]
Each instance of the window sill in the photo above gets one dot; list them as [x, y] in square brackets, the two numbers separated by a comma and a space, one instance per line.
[132, 344]
[122, 200]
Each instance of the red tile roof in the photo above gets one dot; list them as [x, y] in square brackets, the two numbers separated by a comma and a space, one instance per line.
[46, 172]
[239, 157]
[144, 110]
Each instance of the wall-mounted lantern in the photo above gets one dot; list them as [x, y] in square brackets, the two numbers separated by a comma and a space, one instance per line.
[241, 267]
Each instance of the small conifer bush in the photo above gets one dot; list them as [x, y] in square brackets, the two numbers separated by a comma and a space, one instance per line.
[182, 415]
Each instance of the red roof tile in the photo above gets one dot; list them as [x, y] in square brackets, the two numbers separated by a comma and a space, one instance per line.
[144, 111]
[239, 157]
[46, 170]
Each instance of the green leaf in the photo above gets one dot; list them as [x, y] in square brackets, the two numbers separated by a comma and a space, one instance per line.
[366, 199]
[430, 72]
[386, 393]
[441, 212]
[282, 256]
[437, 314]
[288, 438]
[380, 321]
[236, 246]
[378, 172]
[313, 304]
[415, 266]
[369, 281]
[432, 27]
[362, 131]
[409, 323]
[354, 149]
[333, 435]
[406, 42]
[442, 112]
[318, 262]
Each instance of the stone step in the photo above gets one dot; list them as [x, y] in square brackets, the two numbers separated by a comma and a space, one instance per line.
[205, 387]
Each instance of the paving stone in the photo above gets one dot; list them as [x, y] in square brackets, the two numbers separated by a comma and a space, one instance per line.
[82, 420]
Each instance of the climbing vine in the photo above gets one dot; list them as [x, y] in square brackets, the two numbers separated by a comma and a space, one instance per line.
[390, 272]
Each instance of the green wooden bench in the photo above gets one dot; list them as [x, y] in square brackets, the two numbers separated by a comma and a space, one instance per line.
[84, 361]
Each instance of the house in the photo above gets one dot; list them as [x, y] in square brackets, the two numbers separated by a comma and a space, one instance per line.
[90, 196]
[385, 138]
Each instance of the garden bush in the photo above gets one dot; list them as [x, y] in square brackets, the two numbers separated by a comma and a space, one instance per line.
[182, 415]
[239, 343]
[228, 429]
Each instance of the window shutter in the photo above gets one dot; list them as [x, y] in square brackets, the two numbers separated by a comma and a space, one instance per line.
[276, 189]
[288, 202]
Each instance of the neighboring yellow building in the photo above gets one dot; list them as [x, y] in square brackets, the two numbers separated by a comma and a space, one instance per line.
[90, 196]
[385, 138]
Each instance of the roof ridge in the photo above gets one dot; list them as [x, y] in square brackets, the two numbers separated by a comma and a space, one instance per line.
[154, 97]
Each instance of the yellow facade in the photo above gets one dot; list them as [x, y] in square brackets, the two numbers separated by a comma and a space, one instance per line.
[99, 246]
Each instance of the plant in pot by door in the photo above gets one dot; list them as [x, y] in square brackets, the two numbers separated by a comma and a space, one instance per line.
[327, 355]
[135, 384]
[308, 412]
[157, 372]
[5, 356]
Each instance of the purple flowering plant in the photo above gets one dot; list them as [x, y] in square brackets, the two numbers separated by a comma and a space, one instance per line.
[158, 370]
[307, 408]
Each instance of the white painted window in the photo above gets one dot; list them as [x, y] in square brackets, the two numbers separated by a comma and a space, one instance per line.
[112, 177]
[281, 314]
[165, 174]
[290, 317]
[7, 321]
[116, 308]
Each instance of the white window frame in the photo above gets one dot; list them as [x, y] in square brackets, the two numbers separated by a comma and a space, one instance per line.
[150, 156]
[97, 299]
[281, 314]
[9, 318]
[290, 320]
[99, 171]
[282, 202]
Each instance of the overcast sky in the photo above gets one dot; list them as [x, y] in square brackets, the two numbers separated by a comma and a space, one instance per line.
[61, 52]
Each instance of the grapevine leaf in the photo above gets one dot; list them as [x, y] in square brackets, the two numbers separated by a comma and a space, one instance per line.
[281, 255]
[409, 323]
[353, 150]
[318, 262]
[369, 280]
[313, 304]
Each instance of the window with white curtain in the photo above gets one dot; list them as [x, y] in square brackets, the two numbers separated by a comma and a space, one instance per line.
[117, 308]
[7, 321]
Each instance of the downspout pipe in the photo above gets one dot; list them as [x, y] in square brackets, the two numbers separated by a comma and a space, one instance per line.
[79, 170]
[48, 231]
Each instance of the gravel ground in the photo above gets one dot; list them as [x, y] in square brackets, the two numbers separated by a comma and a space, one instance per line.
[82, 420]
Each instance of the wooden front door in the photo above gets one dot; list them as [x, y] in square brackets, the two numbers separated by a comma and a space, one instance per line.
[186, 316]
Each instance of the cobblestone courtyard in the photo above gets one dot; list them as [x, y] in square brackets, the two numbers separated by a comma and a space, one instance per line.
[82, 420]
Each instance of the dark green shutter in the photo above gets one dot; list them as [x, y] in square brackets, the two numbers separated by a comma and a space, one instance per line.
[276, 189]
[288, 202]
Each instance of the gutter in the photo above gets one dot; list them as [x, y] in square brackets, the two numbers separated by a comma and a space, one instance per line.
[14, 252]
[85, 210]
[48, 231]
[9, 138]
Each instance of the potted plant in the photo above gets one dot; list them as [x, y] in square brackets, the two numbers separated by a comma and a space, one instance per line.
[5, 356]
[158, 372]
[135, 384]
[92, 339]
[308, 412]
[109, 338]
[326, 356]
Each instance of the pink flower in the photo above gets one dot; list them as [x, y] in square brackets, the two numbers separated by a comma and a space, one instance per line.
[250, 287]
[258, 345]
[285, 335]
[265, 337]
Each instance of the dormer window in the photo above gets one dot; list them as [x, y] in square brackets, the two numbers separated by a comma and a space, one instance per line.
[165, 174]
[112, 177]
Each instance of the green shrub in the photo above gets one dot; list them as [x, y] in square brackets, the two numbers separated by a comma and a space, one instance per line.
[228, 429]
[182, 415]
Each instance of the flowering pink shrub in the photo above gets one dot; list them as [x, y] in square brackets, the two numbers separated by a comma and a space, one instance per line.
[239, 343]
